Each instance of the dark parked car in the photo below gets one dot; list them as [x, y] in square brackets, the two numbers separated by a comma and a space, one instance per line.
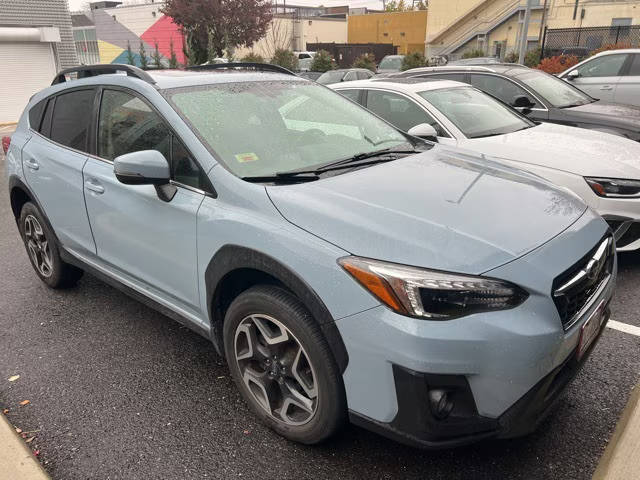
[542, 97]
[344, 75]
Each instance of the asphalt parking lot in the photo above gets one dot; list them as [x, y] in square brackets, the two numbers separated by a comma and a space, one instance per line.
[116, 390]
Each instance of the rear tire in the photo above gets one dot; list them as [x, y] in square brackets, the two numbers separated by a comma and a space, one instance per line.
[283, 366]
[43, 250]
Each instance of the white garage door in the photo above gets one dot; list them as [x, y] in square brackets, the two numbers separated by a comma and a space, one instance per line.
[26, 68]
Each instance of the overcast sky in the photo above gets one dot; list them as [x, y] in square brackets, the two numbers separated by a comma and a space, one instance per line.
[77, 4]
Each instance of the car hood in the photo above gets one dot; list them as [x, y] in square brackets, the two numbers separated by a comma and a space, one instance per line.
[626, 116]
[576, 150]
[444, 209]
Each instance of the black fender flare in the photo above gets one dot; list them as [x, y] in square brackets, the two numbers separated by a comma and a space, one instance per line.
[230, 258]
[16, 182]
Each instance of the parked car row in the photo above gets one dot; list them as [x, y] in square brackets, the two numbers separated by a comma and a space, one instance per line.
[343, 266]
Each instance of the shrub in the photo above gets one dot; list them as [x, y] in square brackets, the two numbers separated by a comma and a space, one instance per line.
[476, 52]
[252, 58]
[413, 60]
[558, 63]
[366, 60]
[532, 57]
[322, 62]
[511, 57]
[611, 46]
[285, 58]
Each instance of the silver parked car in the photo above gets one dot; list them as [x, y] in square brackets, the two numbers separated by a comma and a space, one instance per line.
[611, 76]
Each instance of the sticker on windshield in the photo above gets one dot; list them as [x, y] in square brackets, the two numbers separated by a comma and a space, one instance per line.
[246, 157]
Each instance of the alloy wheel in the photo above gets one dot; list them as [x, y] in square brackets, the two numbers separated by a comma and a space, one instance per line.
[38, 246]
[276, 369]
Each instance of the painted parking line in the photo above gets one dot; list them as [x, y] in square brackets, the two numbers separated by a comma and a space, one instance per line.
[624, 327]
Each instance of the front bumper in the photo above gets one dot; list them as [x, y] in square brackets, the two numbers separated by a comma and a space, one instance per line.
[504, 369]
[416, 425]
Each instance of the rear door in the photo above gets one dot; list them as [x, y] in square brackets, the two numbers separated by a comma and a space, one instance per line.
[53, 160]
[599, 77]
[628, 88]
[150, 242]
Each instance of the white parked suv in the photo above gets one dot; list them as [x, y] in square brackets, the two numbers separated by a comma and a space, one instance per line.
[601, 168]
[611, 76]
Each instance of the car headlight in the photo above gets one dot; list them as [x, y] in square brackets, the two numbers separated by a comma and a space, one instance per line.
[614, 187]
[431, 294]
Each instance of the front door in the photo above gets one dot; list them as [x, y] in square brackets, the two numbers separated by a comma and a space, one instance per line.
[150, 242]
[599, 77]
[628, 89]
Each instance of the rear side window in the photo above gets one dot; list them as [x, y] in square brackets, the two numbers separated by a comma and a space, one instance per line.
[72, 119]
[35, 114]
[127, 124]
[634, 70]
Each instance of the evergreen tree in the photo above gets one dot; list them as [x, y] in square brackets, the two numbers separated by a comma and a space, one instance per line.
[144, 61]
[173, 59]
[131, 60]
[157, 58]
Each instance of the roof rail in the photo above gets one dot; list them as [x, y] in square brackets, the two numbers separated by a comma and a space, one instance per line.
[265, 67]
[86, 71]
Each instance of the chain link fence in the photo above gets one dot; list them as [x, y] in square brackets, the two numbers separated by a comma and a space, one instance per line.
[582, 41]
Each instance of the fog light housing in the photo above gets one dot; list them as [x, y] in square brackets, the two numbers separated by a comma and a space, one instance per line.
[440, 403]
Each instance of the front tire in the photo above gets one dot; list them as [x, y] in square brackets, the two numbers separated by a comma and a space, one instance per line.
[43, 251]
[283, 366]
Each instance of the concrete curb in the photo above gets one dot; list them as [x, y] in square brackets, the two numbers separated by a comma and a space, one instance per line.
[16, 460]
[621, 459]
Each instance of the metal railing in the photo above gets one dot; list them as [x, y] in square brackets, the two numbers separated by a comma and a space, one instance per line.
[582, 41]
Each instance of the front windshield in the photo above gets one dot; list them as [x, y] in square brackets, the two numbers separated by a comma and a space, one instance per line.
[260, 128]
[390, 63]
[476, 114]
[331, 76]
[557, 92]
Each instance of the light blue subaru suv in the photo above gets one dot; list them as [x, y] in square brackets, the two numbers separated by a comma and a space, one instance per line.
[345, 270]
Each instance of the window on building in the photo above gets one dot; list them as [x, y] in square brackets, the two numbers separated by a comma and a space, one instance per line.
[72, 118]
[621, 22]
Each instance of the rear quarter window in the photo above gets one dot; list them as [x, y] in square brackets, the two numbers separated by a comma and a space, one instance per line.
[35, 114]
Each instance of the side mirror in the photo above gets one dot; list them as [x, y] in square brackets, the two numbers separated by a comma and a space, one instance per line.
[522, 101]
[424, 130]
[146, 167]
[572, 75]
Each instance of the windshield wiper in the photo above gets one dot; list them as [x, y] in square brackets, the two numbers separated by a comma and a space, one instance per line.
[277, 178]
[353, 161]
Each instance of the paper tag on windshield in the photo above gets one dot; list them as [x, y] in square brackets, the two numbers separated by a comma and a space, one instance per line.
[246, 157]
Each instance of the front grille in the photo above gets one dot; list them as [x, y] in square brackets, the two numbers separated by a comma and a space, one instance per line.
[573, 289]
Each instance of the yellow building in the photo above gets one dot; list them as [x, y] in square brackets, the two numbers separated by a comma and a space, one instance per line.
[405, 30]
[494, 26]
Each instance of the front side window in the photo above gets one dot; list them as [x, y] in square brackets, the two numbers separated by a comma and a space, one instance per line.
[499, 87]
[557, 92]
[127, 124]
[72, 118]
[400, 111]
[260, 128]
[364, 75]
[605, 66]
[351, 94]
[476, 114]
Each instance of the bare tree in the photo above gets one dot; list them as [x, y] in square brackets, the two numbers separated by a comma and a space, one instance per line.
[278, 37]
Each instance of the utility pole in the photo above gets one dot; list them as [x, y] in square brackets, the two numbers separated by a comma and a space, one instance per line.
[525, 32]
